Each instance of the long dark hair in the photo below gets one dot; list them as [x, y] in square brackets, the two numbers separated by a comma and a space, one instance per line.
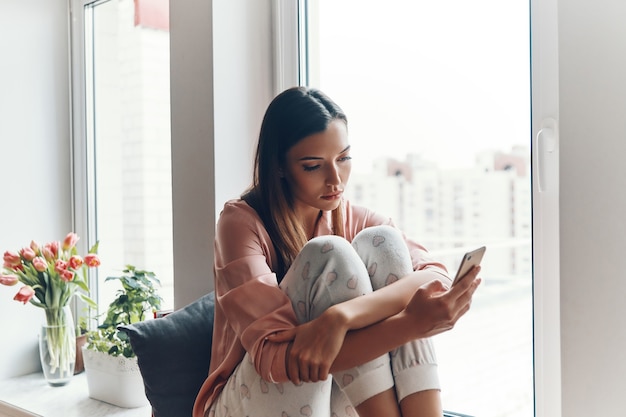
[293, 115]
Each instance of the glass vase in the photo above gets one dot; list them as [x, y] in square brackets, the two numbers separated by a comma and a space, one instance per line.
[57, 346]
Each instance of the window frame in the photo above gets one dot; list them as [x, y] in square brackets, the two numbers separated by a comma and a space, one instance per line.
[81, 141]
[546, 247]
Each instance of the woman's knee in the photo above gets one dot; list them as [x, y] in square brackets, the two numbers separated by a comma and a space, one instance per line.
[385, 254]
[378, 237]
[331, 259]
[326, 272]
[327, 246]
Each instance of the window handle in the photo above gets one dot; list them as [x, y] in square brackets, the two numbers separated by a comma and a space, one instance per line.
[546, 153]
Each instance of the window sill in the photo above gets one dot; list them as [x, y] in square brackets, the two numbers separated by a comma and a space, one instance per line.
[30, 395]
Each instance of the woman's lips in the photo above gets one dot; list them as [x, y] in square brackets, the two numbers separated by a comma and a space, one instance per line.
[334, 196]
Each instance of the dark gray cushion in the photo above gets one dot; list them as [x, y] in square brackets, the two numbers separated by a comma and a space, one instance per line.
[173, 354]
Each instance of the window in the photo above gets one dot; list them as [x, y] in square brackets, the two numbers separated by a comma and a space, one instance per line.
[438, 207]
[128, 131]
[438, 102]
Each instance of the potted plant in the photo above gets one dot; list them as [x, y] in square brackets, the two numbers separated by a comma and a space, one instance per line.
[110, 364]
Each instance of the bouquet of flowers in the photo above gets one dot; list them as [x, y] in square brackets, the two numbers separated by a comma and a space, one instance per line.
[52, 274]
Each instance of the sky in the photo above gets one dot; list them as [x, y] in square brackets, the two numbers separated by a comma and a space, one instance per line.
[445, 79]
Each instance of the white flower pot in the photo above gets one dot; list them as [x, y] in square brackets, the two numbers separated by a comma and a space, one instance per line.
[114, 379]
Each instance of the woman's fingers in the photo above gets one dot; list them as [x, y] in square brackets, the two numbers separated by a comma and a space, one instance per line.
[459, 297]
[311, 351]
[293, 371]
[301, 370]
[307, 368]
[466, 283]
[437, 309]
[461, 294]
[433, 287]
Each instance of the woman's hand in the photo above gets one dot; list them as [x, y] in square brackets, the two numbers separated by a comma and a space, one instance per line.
[436, 309]
[314, 347]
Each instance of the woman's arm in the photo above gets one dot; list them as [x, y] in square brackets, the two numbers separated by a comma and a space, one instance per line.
[359, 330]
[383, 303]
[431, 310]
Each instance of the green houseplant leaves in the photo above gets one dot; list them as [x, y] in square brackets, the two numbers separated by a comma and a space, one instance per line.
[137, 296]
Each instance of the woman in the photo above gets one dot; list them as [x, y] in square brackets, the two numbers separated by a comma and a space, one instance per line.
[322, 308]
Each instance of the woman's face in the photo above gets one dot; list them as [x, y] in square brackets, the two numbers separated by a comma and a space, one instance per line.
[317, 169]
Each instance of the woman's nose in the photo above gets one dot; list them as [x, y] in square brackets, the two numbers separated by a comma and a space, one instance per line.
[333, 177]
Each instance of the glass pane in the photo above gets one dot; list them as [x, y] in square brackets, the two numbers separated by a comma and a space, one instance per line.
[129, 121]
[438, 101]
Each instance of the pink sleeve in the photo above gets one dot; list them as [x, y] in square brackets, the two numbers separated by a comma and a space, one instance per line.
[248, 292]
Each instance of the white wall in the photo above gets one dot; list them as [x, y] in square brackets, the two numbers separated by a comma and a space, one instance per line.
[243, 89]
[34, 154]
[193, 168]
[592, 51]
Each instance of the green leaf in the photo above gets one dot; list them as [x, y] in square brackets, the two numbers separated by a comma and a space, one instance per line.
[94, 248]
[91, 303]
[81, 284]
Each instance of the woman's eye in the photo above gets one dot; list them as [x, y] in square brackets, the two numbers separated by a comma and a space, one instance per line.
[310, 168]
[345, 158]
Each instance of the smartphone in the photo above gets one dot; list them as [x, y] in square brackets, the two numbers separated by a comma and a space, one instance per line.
[470, 259]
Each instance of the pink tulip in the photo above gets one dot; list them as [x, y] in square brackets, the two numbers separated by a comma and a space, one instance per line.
[60, 266]
[24, 294]
[92, 260]
[47, 253]
[40, 264]
[8, 280]
[75, 262]
[19, 267]
[67, 275]
[70, 241]
[11, 259]
[28, 254]
[34, 246]
[51, 250]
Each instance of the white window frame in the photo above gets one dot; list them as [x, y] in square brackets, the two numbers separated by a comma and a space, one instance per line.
[81, 144]
[545, 167]
[288, 43]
